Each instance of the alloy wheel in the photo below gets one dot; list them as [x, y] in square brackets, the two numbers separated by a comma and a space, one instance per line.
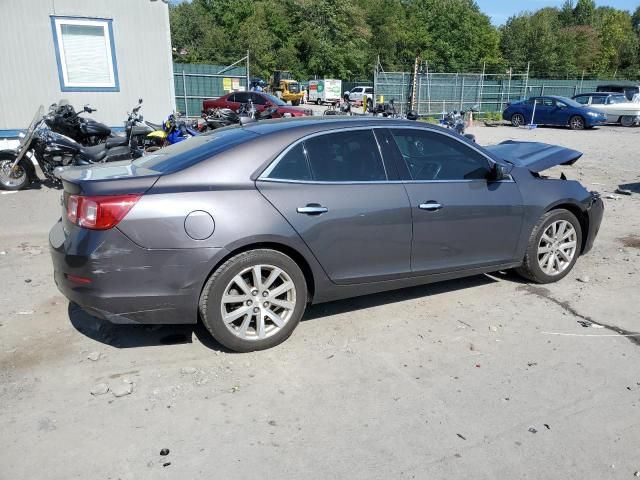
[517, 120]
[557, 247]
[577, 123]
[10, 177]
[258, 302]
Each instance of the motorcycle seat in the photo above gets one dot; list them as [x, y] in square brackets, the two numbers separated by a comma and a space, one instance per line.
[155, 126]
[94, 154]
[116, 141]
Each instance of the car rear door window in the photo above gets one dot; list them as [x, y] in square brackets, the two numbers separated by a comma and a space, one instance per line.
[241, 97]
[258, 99]
[584, 100]
[351, 156]
[369, 91]
[292, 166]
[599, 100]
[436, 156]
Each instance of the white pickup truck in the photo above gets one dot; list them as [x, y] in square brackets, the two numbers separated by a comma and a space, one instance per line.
[359, 94]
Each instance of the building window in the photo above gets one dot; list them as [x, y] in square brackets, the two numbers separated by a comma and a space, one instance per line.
[85, 54]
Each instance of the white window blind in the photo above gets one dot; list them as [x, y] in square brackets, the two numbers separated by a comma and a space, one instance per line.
[84, 49]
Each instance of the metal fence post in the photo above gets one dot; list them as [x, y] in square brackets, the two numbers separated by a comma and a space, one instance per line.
[184, 92]
[462, 94]
[428, 89]
[542, 90]
[248, 75]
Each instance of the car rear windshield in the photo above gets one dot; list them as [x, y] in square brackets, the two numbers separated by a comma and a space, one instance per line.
[193, 150]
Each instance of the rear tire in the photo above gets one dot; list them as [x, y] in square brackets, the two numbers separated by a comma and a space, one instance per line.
[295, 103]
[627, 121]
[576, 123]
[245, 314]
[517, 119]
[550, 257]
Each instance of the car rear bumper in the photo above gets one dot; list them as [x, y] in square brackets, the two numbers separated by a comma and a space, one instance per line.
[112, 278]
[595, 211]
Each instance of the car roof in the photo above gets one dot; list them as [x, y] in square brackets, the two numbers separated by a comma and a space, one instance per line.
[329, 122]
[598, 93]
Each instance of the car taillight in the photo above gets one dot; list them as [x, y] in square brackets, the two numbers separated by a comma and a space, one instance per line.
[99, 212]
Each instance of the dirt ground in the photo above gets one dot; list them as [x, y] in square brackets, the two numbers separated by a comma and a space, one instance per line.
[485, 378]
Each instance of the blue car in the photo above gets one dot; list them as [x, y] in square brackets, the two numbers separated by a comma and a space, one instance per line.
[552, 110]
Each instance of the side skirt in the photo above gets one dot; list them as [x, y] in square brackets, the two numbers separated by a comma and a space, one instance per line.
[338, 292]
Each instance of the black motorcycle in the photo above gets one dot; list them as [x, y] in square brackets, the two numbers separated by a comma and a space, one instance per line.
[64, 119]
[52, 150]
[456, 120]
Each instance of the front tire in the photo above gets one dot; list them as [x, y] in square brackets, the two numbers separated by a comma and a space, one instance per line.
[517, 119]
[254, 300]
[554, 247]
[577, 123]
[14, 179]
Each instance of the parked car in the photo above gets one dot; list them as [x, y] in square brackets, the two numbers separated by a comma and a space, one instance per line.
[246, 226]
[359, 94]
[615, 105]
[629, 91]
[551, 110]
[260, 101]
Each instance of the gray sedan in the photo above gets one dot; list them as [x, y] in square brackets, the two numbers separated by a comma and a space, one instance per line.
[246, 226]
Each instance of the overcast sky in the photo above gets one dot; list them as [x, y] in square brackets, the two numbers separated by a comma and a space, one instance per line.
[501, 10]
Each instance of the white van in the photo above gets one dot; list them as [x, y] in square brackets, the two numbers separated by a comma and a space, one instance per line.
[324, 91]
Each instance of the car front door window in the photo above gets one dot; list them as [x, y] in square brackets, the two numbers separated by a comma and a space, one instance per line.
[431, 156]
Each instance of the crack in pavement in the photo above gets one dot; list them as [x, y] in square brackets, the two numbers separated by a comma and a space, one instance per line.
[633, 337]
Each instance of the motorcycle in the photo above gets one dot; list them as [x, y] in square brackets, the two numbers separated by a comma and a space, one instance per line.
[52, 150]
[215, 118]
[387, 110]
[65, 120]
[339, 108]
[456, 121]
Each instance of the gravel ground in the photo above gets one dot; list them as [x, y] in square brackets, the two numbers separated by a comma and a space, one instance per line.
[485, 378]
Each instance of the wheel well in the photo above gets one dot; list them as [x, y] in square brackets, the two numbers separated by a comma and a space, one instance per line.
[582, 217]
[290, 252]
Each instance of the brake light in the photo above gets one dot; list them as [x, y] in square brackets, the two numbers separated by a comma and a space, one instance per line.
[99, 212]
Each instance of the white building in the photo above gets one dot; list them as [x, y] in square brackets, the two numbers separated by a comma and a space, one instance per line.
[106, 53]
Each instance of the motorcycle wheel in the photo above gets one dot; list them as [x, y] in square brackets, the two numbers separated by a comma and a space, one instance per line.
[13, 180]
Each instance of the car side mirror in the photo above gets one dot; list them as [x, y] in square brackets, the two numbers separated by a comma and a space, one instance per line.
[499, 172]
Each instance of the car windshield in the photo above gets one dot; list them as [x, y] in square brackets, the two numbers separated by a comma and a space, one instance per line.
[275, 100]
[568, 101]
[189, 152]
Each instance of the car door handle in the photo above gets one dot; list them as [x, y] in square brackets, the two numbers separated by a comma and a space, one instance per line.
[430, 206]
[312, 209]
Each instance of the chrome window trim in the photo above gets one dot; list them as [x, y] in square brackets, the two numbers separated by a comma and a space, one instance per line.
[264, 176]
[382, 182]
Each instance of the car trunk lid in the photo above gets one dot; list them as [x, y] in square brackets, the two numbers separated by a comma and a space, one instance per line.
[534, 156]
[113, 178]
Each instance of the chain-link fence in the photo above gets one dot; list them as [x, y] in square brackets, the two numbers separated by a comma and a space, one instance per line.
[436, 93]
[195, 82]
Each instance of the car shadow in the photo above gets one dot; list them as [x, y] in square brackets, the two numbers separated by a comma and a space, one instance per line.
[634, 187]
[137, 336]
[393, 296]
